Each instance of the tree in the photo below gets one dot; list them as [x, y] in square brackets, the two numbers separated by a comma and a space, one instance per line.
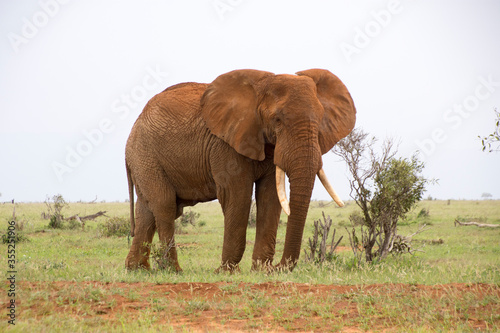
[54, 209]
[384, 187]
[493, 138]
[486, 195]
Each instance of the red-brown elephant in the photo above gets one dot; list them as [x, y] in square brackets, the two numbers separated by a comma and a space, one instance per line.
[198, 142]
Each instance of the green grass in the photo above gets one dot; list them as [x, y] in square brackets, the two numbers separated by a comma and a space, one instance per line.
[466, 254]
[469, 255]
[82, 307]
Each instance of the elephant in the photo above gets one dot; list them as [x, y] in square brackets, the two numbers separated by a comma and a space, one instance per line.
[197, 142]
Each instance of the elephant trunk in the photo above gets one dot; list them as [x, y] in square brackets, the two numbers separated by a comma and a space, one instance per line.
[280, 188]
[301, 173]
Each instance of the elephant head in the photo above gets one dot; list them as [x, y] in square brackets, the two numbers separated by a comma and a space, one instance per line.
[299, 116]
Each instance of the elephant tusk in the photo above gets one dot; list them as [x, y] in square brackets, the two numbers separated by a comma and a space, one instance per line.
[329, 188]
[280, 187]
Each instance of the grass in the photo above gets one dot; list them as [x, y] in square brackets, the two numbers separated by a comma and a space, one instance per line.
[88, 306]
[467, 255]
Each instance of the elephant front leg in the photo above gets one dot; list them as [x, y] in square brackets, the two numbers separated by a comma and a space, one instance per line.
[236, 201]
[144, 231]
[268, 215]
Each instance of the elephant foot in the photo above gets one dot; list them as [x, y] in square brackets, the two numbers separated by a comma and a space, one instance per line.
[133, 265]
[285, 267]
[262, 266]
[228, 268]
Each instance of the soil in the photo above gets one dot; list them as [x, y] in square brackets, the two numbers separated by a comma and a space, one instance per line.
[224, 298]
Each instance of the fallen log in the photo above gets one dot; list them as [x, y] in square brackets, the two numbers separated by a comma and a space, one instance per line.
[88, 217]
[481, 225]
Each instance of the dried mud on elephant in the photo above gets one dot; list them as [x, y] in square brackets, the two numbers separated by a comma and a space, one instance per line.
[197, 142]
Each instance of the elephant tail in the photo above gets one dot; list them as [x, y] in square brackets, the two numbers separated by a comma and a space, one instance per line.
[131, 199]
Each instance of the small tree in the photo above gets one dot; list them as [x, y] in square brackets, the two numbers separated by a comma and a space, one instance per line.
[399, 187]
[493, 138]
[384, 187]
[54, 209]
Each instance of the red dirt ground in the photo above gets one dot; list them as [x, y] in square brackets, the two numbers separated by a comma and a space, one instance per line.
[220, 315]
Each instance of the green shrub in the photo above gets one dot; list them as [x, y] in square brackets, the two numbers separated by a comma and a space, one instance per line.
[115, 226]
[55, 222]
[159, 255]
[55, 211]
[188, 218]
[384, 187]
[73, 224]
[18, 238]
[423, 214]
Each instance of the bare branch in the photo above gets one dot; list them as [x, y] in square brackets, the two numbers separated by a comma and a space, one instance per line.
[88, 217]
[481, 225]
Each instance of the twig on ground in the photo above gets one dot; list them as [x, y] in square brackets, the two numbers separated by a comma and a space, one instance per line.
[88, 217]
[480, 225]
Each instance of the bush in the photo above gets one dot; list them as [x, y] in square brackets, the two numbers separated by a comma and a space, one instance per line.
[74, 224]
[18, 238]
[55, 223]
[318, 251]
[115, 226]
[423, 214]
[384, 187]
[55, 211]
[20, 225]
[159, 255]
[188, 218]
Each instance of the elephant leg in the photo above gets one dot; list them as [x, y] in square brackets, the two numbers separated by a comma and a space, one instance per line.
[236, 204]
[165, 211]
[144, 231]
[268, 215]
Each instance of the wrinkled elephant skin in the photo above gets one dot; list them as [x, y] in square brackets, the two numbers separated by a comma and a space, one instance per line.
[197, 142]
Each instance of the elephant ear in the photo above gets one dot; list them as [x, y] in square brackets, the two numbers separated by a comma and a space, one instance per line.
[229, 108]
[340, 113]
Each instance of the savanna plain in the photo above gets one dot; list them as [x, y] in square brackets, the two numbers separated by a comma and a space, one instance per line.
[74, 279]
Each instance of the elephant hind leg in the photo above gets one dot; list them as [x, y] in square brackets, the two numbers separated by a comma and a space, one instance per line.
[144, 231]
[165, 211]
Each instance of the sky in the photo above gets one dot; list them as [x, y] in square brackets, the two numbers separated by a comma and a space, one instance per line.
[75, 75]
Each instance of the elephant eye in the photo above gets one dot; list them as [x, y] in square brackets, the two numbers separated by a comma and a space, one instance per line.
[278, 121]
[278, 117]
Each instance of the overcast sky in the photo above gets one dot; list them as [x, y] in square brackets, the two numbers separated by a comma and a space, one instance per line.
[74, 76]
